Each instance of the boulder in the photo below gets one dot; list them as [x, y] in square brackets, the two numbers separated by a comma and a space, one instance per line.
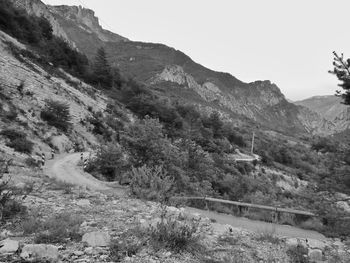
[316, 244]
[83, 202]
[293, 242]
[39, 251]
[315, 255]
[8, 246]
[97, 239]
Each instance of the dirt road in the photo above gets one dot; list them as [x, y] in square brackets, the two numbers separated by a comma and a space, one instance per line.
[65, 168]
[259, 226]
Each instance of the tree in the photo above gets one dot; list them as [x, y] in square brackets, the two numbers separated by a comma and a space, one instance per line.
[57, 114]
[110, 162]
[342, 71]
[102, 71]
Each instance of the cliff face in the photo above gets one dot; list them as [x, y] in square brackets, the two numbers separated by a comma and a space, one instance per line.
[75, 24]
[38, 8]
[86, 20]
[174, 75]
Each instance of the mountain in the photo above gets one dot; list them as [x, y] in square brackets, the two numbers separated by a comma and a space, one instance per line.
[174, 75]
[330, 108]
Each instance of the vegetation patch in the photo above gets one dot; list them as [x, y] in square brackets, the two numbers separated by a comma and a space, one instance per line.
[58, 229]
[57, 114]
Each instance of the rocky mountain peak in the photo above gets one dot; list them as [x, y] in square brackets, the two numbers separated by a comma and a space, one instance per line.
[87, 20]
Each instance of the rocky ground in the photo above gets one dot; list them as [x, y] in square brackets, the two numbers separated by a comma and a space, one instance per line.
[100, 223]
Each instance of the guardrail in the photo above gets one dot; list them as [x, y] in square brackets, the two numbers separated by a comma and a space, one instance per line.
[242, 204]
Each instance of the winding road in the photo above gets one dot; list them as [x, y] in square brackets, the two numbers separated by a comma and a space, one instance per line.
[258, 226]
[65, 168]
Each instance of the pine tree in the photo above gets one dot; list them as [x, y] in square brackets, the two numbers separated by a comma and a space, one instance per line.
[102, 72]
[342, 71]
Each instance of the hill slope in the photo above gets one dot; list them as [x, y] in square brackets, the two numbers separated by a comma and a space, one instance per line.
[176, 76]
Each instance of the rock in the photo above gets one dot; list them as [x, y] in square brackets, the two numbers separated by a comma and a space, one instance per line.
[5, 234]
[83, 202]
[40, 251]
[316, 244]
[97, 239]
[315, 255]
[78, 253]
[293, 242]
[8, 246]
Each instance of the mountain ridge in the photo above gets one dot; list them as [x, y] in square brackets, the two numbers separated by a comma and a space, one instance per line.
[329, 107]
[161, 66]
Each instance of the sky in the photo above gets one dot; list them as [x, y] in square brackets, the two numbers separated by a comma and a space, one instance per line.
[288, 42]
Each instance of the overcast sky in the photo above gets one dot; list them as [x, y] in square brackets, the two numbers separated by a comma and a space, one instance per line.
[289, 42]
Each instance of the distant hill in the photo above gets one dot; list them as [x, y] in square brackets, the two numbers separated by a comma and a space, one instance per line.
[329, 107]
[177, 77]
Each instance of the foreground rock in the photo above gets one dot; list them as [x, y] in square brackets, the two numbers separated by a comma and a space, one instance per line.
[97, 239]
[8, 246]
[40, 251]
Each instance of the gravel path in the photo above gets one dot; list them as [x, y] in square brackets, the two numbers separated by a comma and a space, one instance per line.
[65, 168]
[259, 226]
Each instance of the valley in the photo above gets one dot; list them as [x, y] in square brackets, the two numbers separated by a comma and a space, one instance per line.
[152, 124]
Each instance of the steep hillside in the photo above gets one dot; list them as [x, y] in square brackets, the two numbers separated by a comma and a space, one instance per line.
[24, 89]
[331, 108]
[176, 76]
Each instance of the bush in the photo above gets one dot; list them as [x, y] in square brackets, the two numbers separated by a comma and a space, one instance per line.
[298, 254]
[151, 183]
[127, 245]
[12, 134]
[174, 233]
[58, 229]
[31, 162]
[10, 197]
[57, 114]
[110, 162]
[269, 236]
[18, 140]
[21, 145]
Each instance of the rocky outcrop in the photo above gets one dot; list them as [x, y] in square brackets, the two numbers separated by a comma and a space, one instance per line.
[85, 19]
[38, 8]
[82, 18]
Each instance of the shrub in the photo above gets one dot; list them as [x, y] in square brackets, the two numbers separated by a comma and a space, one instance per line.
[109, 161]
[31, 225]
[10, 197]
[21, 145]
[151, 183]
[59, 228]
[268, 236]
[12, 134]
[31, 162]
[174, 233]
[298, 254]
[127, 245]
[57, 114]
